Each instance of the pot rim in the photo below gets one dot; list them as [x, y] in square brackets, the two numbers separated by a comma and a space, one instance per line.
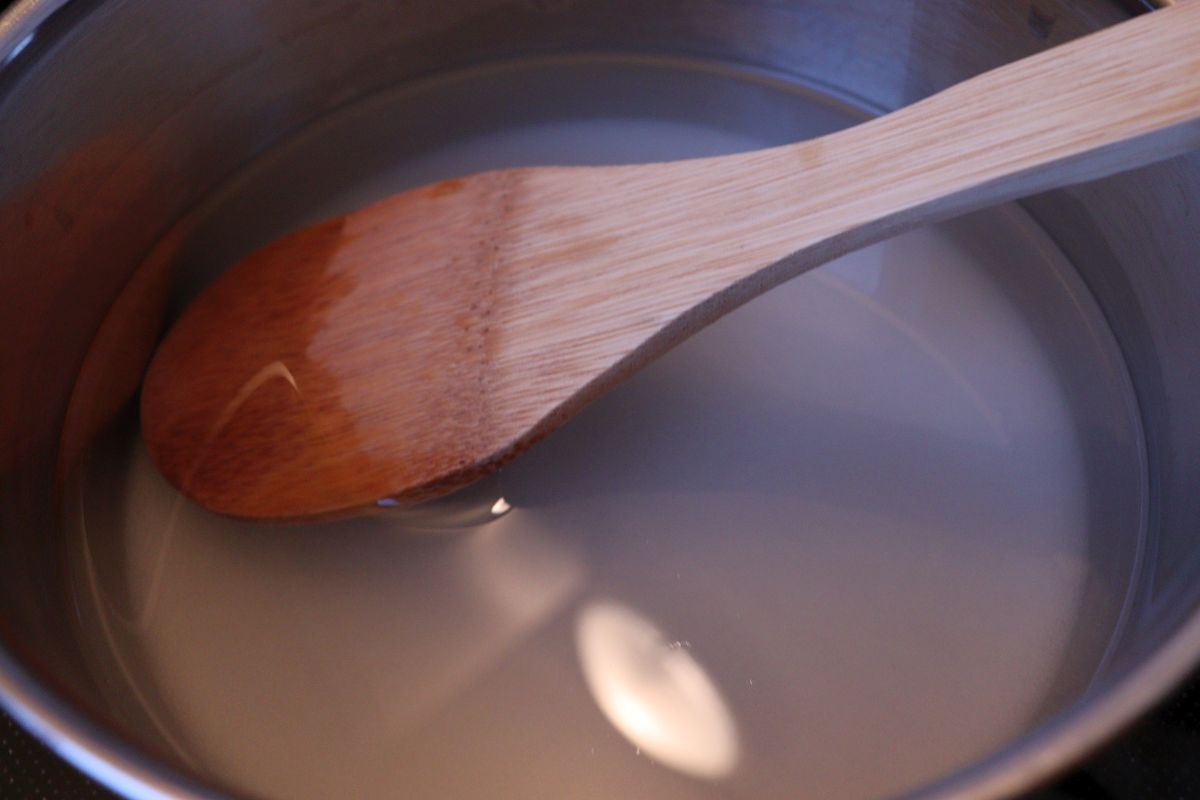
[1051, 748]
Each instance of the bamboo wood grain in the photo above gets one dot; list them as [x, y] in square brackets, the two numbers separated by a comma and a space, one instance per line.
[410, 346]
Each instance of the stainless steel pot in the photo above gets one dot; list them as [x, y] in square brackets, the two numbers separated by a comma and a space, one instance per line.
[117, 117]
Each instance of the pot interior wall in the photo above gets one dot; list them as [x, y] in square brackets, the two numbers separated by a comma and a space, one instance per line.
[120, 117]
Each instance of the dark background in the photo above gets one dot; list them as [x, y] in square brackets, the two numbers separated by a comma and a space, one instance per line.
[1158, 759]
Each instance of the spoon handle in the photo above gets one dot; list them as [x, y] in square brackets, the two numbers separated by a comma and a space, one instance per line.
[1113, 101]
[658, 251]
[1102, 104]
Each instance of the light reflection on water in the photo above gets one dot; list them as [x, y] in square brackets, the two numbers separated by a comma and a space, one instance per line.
[655, 692]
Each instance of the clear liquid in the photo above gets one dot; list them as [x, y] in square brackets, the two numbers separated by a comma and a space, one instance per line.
[859, 533]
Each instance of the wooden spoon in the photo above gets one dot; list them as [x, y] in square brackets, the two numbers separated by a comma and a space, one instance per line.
[409, 347]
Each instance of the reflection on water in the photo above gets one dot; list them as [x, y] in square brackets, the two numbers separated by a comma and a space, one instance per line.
[655, 692]
[475, 504]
